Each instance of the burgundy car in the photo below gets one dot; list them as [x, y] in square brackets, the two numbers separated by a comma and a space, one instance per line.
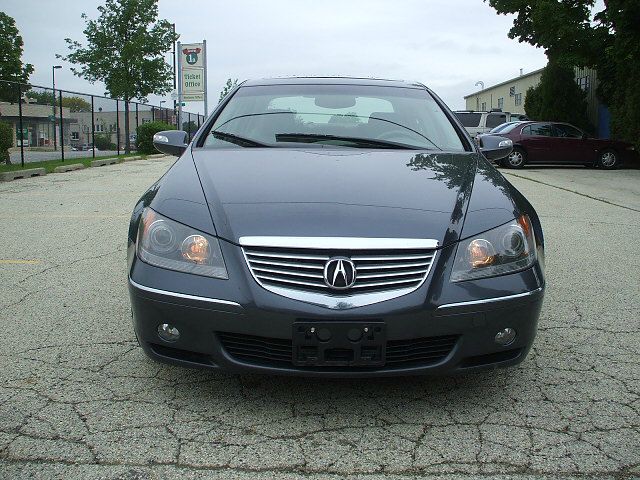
[561, 143]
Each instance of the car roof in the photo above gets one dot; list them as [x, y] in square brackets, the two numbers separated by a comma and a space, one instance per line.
[381, 82]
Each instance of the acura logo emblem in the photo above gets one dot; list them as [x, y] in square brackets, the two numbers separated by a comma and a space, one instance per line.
[339, 273]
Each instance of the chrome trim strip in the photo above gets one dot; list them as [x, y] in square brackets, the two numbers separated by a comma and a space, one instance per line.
[489, 300]
[338, 303]
[338, 243]
[183, 295]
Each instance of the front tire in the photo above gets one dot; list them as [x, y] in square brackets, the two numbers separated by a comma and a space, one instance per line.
[516, 159]
[608, 159]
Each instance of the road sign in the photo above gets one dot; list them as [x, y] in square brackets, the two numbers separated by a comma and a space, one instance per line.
[192, 74]
[192, 80]
[192, 54]
[52, 118]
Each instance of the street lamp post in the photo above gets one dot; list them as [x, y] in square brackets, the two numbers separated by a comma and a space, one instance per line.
[53, 96]
[481, 84]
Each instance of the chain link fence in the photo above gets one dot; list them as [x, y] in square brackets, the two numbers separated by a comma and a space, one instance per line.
[61, 124]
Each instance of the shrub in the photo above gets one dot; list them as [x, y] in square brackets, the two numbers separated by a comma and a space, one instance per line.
[103, 142]
[558, 98]
[145, 133]
[6, 141]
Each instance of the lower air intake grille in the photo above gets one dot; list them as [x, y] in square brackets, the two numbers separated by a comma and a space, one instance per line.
[419, 351]
[258, 350]
[278, 352]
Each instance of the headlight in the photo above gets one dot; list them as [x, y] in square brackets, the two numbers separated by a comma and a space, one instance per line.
[168, 244]
[503, 250]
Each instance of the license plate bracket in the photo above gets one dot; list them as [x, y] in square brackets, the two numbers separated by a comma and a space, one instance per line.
[339, 344]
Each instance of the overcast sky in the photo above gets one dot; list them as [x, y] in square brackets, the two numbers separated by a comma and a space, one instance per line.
[447, 44]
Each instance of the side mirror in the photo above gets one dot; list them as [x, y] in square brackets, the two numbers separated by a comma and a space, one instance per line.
[584, 136]
[171, 142]
[495, 147]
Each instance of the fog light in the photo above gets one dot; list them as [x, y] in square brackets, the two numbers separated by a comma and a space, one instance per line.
[505, 336]
[168, 332]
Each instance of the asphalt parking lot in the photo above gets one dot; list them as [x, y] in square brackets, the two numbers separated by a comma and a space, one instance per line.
[79, 400]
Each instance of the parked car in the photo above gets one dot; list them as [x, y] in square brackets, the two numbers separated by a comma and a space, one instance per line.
[477, 123]
[334, 227]
[86, 147]
[507, 126]
[562, 143]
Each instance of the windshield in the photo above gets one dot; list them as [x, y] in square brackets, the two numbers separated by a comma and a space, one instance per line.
[505, 127]
[350, 116]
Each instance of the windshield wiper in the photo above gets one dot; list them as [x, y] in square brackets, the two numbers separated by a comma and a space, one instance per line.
[237, 139]
[362, 142]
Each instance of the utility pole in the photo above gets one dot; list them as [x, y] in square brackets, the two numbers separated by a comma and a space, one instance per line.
[204, 42]
[53, 96]
[173, 28]
[179, 89]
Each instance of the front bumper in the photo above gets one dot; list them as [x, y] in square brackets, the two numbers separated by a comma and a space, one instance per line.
[466, 330]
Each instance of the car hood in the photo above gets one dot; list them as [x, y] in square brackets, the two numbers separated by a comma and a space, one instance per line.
[342, 193]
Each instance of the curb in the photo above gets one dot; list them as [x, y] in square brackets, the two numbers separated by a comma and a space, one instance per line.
[68, 168]
[130, 159]
[102, 163]
[30, 172]
[156, 155]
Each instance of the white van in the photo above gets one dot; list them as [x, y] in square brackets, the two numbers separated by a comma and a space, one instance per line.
[477, 123]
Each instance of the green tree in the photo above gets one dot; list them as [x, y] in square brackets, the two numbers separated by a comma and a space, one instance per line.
[76, 104]
[125, 49]
[558, 98]
[619, 66]
[103, 142]
[11, 66]
[561, 27]
[190, 127]
[73, 103]
[608, 41]
[230, 85]
[6, 142]
[145, 133]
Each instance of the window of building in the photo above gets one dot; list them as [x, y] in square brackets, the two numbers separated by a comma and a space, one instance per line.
[85, 128]
[484, 106]
[99, 127]
[75, 135]
[501, 103]
[537, 130]
[583, 83]
[518, 99]
[512, 91]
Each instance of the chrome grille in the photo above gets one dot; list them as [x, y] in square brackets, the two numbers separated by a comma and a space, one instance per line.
[391, 270]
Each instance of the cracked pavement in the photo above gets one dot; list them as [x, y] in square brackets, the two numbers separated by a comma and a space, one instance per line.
[79, 400]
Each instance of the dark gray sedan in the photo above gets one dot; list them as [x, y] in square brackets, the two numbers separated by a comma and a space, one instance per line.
[335, 227]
